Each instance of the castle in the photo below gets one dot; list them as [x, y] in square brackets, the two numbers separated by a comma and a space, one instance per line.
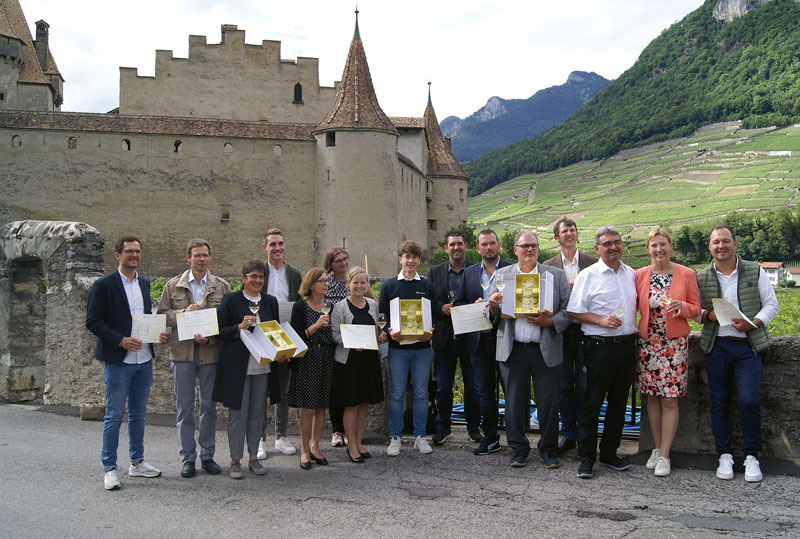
[222, 145]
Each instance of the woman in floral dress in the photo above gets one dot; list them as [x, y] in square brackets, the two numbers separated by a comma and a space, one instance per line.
[667, 296]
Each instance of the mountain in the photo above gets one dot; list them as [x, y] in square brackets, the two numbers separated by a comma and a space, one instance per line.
[740, 65]
[504, 121]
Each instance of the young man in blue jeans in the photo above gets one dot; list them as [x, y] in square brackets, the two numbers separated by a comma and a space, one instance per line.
[414, 358]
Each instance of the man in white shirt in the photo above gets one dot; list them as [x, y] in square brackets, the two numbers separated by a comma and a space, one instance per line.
[604, 301]
[733, 352]
[282, 281]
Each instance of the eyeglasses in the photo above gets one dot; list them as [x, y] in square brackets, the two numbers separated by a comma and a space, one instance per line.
[607, 244]
[323, 280]
[132, 251]
[528, 246]
[341, 260]
[255, 276]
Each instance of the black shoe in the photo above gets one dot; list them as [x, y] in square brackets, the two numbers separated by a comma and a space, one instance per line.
[566, 444]
[585, 468]
[475, 435]
[615, 463]
[321, 461]
[441, 436]
[487, 446]
[358, 460]
[305, 465]
[211, 467]
[519, 458]
[366, 455]
[188, 469]
[549, 459]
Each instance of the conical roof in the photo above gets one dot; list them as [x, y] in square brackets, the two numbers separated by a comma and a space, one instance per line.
[356, 105]
[441, 161]
[14, 25]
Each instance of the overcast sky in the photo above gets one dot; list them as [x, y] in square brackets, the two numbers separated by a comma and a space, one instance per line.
[471, 50]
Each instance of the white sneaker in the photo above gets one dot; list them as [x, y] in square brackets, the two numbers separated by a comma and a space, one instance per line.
[394, 447]
[422, 445]
[262, 450]
[651, 462]
[143, 470]
[337, 439]
[284, 446]
[111, 480]
[663, 467]
[752, 470]
[725, 469]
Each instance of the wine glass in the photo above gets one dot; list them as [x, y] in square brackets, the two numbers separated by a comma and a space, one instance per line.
[619, 310]
[198, 300]
[381, 321]
[499, 283]
[253, 306]
[452, 295]
[326, 307]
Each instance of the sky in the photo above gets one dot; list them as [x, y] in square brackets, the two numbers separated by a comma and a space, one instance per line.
[470, 50]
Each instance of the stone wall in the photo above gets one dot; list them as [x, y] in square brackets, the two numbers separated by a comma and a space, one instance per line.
[780, 406]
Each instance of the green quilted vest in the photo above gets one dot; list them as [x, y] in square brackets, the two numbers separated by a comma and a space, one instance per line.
[749, 303]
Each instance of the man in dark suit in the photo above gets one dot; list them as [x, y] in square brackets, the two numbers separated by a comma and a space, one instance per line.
[481, 345]
[530, 347]
[573, 377]
[128, 373]
[446, 278]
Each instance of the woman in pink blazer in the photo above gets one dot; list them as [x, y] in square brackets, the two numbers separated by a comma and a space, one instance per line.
[667, 296]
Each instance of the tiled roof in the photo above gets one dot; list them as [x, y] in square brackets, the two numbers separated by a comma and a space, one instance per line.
[12, 20]
[441, 161]
[158, 125]
[771, 265]
[407, 122]
[793, 269]
[356, 105]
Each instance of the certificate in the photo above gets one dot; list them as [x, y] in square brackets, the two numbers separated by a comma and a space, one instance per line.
[202, 322]
[148, 327]
[727, 311]
[285, 310]
[469, 318]
[359, 336]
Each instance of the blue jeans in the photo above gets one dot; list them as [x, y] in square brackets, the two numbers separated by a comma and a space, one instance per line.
[417, 362]
[734, 362]
[445, 363]
[573, 382]
[129, 383]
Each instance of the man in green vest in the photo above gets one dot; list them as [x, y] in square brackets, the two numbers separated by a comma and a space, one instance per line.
[733, 352]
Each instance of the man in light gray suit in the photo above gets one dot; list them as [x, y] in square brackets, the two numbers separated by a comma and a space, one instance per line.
[531, 347]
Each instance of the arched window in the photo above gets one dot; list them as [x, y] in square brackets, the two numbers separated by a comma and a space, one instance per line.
[16, 141]
[178, 146]
[126, 145]
[277, 150]
[72, 143]
[228, 147]
[298, 93]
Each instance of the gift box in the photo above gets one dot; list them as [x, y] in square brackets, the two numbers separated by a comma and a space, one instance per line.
[532, 294]
[411, 316]
[271, 341]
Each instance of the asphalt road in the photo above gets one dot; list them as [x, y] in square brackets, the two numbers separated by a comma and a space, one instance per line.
[51, 486]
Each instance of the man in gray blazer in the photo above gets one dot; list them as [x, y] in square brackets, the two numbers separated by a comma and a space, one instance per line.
[573, 376]
[531, 347]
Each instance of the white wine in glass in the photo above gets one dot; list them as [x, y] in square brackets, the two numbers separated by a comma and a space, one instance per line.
[381, 321]
[198, 300]
[326, 307]
[619, 310]
[499, 283]
[253, 305]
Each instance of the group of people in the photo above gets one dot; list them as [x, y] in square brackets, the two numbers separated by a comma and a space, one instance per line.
[590, 348]
[582, 352]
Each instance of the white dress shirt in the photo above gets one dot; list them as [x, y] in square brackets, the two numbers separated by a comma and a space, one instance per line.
[401, 277]
[198, 289]
[277, 285]
[599, 290]
[571, 268]
[729, 284]
[525, 331]
[136, 304]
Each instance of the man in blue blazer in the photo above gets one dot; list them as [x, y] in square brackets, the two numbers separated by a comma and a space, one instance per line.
[531, 347]
[481, 345]
[128, 372]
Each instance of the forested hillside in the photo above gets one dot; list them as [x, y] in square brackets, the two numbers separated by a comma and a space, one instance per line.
[698, 71]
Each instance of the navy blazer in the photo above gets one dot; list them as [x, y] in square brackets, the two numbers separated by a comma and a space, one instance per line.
[439, 275]
[469, 292]
[108, 316]
[234, 356]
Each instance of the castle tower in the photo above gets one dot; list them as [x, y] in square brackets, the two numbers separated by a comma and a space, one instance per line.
[447, 198]
[357, 199]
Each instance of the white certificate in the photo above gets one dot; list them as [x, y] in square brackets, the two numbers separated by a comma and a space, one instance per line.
[469, 318]
[359, 336]
[148, 327]
[727, 311]
[202, 322]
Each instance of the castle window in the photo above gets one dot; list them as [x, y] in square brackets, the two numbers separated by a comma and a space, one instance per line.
[431, 224]
[126, 145]
[461, 195]
[2, 96]
[16, 141]
[178, 146]
[330, 139]
[277, 150]
[298, 94]
[224, 211]
[228, 147]
[72, 143]
[344, 243]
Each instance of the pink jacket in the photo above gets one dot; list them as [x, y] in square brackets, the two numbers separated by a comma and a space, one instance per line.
[683, 288]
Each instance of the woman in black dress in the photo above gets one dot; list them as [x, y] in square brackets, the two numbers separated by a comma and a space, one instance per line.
[357, 379]
[310, 384]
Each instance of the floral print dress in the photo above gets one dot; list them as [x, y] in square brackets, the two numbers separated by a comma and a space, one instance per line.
[662, 369]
